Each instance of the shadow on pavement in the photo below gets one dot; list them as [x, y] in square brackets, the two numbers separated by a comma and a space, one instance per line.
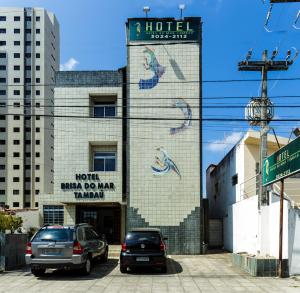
[99, 270]
[173, 266]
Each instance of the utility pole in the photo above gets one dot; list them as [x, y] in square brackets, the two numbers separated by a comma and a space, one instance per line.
[264, 66]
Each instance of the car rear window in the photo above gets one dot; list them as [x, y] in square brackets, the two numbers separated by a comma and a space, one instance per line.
[57, 235]
[142, 237]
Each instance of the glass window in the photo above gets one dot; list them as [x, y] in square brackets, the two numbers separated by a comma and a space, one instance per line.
[54, 234]
[2, 55]
[2, 192]
[16, 192]
[107, 109]
[2, 167]
[16, 67]
[17, 43]
[53, 214]
[38, 18]
[2, 18]
[2, 67]
[16, 204]
[16, 55]
[2, 43]
[105, 161]
[17, 18]
[17, 80]
[17, 30]
[16, 155]
[2, 30]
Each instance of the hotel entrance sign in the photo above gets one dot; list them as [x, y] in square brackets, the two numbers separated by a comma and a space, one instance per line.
[283, 163]
[164, 29]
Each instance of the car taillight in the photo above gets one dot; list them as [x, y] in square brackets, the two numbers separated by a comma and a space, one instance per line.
[77, 248]
[162, 246]
[123, 247]
[28, 248]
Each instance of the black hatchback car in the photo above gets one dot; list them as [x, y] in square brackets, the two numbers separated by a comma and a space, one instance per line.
[143, 247]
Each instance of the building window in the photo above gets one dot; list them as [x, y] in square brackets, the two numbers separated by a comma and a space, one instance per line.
[27, 179]
[2, 167]
[37, 80]
[17, 43]
[27, 67]
[2, 179]
[27, 192]
[16, 117]
[38, 68]
[28, 18]
[2, 43]
[2, 117]
[28, 155]
[28, 31]
[38, 43]
[16, 204]
[16, 167]
[38, 18]
[17, 30]
[17, 18]
[16, 155]
[28, 80]
[16, 104]
[38, 92]
[104, 161]
[234, 179]
[2, 192]
[2, 67]
[37, 129]
[37, 167]
[37, 179]
[2, 30]
[17, 67]
[2, 55]
[2, 129]
[2, 80]
[53, 214]
[37, 154]
[104, 109]
[17, 55]
[16, 142]
[2, 141]
[16, 129]
[27, 167]
[28, 43]
[17, 93]
[36, 204]
[37, 117]
[2, 155]
[27, 55]
[2, 18]
[27, 141]
[37, 142]
[37, 55]
[17, 80]
[27, 204]
[38, 31]
[16, 179]
[16, 192]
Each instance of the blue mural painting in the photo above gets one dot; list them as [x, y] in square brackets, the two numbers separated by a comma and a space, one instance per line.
[187, 112]
[151, 63]
[165, 164]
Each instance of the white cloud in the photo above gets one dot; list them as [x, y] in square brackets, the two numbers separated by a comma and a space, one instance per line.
[228, 142]
[69, 65]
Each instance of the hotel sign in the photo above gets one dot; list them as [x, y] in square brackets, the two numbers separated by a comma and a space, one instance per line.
[283, 163]
[164, 29]
[88, 186]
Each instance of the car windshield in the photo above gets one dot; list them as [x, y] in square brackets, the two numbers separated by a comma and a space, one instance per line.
[56, 235]
[141, 237]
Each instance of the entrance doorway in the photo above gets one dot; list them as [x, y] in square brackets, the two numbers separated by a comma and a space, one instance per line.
[105, 220]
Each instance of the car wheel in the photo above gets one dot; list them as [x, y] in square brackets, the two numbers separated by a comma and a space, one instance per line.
[105, 256]
[163, 269]
[86, 270]
[123, 269]
[38, 272]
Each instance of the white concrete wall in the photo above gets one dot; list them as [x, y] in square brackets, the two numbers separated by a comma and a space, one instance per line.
[240, 227]
[31, 218]
[294, 241]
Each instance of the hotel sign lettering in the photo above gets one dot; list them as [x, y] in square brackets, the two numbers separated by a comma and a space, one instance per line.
[88, 186]
[164, 29]
[283, 163]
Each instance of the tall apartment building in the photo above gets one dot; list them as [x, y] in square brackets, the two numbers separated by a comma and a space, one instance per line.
[29, 58]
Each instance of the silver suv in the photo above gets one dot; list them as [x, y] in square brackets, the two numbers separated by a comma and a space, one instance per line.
[65, 247]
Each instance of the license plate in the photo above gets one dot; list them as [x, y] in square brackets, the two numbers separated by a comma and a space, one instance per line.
[53, 251]
[142, 258]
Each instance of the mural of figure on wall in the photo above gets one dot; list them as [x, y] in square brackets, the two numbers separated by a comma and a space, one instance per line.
[165, 164]
[181, 104]
[151, 63]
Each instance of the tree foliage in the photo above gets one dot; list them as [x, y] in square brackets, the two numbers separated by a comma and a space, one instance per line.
[9, 222]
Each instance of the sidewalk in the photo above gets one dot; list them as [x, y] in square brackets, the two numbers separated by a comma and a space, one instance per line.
[202, 273]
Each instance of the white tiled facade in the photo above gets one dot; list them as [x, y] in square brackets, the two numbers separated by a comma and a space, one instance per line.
[30, 39]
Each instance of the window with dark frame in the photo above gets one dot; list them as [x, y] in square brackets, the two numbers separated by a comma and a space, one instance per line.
[104, 109]
[234, 179]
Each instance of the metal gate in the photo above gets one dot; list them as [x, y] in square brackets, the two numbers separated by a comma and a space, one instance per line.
[215, 233]
[2, 257]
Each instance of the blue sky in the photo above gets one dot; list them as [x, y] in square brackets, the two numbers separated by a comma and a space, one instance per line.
[93, 37]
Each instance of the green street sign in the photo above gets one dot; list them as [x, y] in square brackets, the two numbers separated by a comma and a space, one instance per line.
[283, 163]
[164, 29]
